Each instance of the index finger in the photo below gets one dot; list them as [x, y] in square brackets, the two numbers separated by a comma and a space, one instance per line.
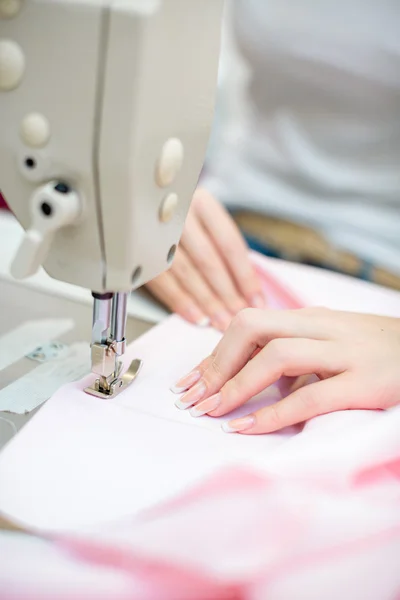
[233, 248]
[204, 254]
[250, 329]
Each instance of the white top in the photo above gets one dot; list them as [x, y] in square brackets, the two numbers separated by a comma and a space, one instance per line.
[308, 124]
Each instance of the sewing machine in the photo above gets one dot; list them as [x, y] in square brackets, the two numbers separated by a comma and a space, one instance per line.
[105, 108]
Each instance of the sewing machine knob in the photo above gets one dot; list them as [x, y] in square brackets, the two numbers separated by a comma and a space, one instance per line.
[170, 162]
[12, 65]
[53, 206]
[35, 130]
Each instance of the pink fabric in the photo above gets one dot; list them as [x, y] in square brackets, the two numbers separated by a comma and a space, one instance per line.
[279, 296]
[277, 538]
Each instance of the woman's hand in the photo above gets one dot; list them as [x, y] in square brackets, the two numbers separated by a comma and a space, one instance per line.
[356, 358]
[211, 278]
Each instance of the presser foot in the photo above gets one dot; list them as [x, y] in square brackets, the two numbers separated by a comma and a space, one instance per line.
[110, 387]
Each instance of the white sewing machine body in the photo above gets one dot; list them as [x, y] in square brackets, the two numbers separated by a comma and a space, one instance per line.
[114, 101]
[108, 106]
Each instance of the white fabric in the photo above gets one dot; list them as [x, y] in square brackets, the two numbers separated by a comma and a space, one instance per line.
[119, 457]
[308, 119]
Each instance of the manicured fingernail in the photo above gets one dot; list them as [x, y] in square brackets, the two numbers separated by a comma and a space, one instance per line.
[186, 382]
[194, 315]
[257, 301]
[238, 424]
[195, 394]
[221, 320]
[206, 406]
[204, 322]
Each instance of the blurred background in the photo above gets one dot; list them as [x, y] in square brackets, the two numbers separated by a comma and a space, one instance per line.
[306, 139]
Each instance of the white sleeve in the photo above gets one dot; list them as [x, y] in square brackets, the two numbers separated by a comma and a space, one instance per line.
[230, 111]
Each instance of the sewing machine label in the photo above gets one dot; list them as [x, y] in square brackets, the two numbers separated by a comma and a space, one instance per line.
[30, 391]
[49, 351]
[23, 340]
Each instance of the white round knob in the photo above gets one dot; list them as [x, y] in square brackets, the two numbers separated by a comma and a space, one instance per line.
[170, 162]
[9, 8]
[12, 65]
[35, 130]
[168, 207]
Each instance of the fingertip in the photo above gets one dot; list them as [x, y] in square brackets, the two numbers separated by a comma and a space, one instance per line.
[186, 382]
[181, 405]
[226, 428]
[203, 322]
[244, 424]
[194, 315]
[251, 287]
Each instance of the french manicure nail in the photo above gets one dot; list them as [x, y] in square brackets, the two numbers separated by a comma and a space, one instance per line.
[186, 382]
[238, 425]
[257, 301]
[206, 406]
[204, 322]
[196, 316]
[195, 394]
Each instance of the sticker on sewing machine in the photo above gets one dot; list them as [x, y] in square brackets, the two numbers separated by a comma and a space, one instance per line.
[23, 340]
[30, 391]
[49, 351]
